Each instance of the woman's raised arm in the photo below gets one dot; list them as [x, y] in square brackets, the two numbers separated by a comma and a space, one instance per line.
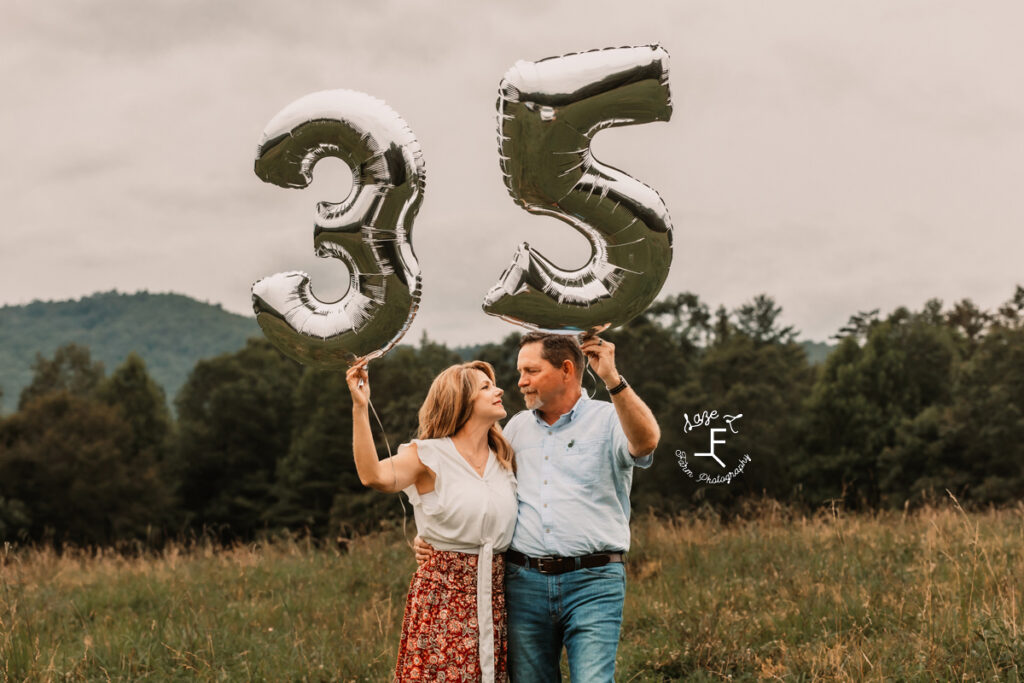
[391, 474]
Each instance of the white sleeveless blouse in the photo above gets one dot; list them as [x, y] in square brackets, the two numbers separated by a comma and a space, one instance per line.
[467, 513]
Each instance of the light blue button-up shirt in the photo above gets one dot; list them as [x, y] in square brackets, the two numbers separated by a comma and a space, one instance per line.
[574, 480]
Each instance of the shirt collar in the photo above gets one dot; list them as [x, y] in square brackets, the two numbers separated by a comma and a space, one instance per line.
[573, 413]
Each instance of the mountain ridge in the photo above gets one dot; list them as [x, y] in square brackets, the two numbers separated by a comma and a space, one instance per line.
[171, 332]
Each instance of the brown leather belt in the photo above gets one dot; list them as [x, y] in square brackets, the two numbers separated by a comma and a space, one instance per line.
[561, 565]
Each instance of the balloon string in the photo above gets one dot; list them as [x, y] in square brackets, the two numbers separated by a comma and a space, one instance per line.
[394, 473]
[593, 377]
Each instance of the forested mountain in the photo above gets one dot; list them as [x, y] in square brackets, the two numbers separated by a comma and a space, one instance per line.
[817, 352]
[170, 331]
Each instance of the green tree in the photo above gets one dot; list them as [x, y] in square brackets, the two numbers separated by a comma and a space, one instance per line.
[142, 403]
[969, 321]
[973, 446]
[71, 369]
[986, 431]
[67, 473]
[1011, 314]
[14, 517]
[758, 320]
[859, 326]
[655, 359]
[234, 423]
[686, 318]
[318, 464]
[864, 398]
[317, 486]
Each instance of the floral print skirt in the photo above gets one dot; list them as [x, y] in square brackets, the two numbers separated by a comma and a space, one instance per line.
[440, 634]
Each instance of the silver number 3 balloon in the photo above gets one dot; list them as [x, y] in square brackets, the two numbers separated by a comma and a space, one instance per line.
[548, 112]
[370, 231]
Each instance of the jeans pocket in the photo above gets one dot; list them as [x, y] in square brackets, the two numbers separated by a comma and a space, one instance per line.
[614, 571]
[512, 569]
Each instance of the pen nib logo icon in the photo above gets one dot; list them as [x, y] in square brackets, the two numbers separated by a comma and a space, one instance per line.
[711, 453]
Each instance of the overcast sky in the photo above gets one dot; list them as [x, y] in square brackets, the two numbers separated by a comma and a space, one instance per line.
[839, 156]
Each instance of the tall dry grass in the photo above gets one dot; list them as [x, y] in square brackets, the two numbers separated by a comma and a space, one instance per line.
[929, 595]
[282, 611]
[932, 595]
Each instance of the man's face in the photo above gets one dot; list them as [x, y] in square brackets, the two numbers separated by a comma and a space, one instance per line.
[539, 380]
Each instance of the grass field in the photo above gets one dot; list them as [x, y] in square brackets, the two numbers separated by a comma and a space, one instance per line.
[930, 595]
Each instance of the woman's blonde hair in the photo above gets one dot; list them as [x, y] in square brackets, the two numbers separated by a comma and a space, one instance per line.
[449, 405]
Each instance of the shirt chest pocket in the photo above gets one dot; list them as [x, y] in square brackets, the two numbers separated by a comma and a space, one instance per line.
[582, 461]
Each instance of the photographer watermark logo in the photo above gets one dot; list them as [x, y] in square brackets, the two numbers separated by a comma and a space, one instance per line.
[717, 436]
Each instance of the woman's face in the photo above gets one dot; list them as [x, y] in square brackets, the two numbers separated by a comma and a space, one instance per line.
[487, 403]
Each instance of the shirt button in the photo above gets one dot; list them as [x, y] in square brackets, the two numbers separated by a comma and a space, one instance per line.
[547, 531]
[545, 481]
[545, 457]
[545, 504]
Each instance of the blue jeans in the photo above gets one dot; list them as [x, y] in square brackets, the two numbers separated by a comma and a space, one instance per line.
[582, 609]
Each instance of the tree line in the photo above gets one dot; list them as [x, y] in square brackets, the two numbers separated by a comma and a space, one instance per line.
[905, 408]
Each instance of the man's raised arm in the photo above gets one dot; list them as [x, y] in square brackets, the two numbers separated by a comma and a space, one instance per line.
[637, 420]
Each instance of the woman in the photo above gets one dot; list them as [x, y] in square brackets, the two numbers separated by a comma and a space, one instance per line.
[459, 476]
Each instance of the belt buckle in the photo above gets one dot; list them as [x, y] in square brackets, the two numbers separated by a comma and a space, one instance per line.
[542, 560]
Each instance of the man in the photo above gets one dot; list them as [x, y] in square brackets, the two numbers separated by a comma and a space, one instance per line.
[564, 580]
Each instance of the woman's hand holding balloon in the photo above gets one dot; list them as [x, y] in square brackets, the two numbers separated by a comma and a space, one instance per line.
[359, 384]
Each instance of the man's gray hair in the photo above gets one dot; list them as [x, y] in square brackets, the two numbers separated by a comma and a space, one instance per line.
[557, 348]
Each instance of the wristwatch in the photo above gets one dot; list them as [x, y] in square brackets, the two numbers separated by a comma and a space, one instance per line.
[618, 387]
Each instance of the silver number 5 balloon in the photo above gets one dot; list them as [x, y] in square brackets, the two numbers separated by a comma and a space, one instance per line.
[548, 112]
[370, 231]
